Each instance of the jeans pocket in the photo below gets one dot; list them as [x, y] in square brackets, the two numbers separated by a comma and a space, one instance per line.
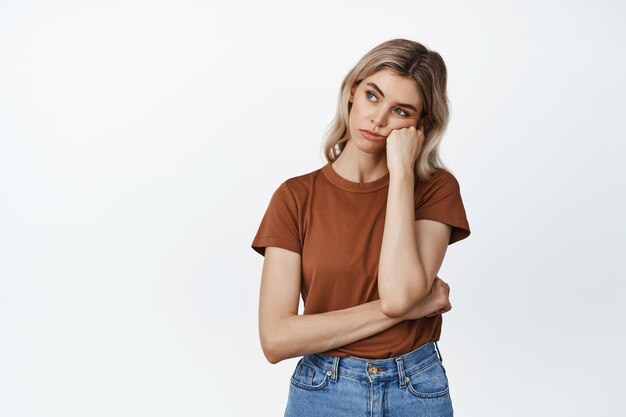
[428, 382]
[308, 376]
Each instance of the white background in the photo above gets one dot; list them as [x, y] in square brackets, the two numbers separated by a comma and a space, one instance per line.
[140, 143]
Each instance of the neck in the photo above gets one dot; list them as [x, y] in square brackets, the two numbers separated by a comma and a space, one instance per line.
[357, 166]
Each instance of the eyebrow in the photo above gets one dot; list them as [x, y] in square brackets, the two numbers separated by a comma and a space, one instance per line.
[408, 106]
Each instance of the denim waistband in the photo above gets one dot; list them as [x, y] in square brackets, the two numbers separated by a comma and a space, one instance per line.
[376, 369]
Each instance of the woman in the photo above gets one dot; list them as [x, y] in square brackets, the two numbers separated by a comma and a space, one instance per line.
[362, 239]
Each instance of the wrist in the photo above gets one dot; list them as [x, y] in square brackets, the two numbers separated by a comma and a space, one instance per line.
[402, 173]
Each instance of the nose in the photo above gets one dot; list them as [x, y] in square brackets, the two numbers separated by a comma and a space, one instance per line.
[379, 117]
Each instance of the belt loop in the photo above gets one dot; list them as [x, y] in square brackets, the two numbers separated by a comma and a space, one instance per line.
[335, 368]
[438, 352]
[400, 364]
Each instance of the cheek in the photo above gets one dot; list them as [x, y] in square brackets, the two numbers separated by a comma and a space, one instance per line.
[360, 107]
[406, 123]
[354, 111]
[355, 115]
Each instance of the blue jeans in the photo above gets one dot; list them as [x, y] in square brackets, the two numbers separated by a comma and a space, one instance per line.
[413, 384]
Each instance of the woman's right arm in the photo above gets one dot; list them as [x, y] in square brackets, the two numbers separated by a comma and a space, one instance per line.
[286, 334]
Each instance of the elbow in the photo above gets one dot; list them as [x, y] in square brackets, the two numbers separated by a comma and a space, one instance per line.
[393, 310]
[400, 306]
[270, 354]
[271, 349]
[271, 357]
[274, 337]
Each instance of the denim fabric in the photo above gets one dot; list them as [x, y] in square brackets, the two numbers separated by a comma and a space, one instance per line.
[414, 384]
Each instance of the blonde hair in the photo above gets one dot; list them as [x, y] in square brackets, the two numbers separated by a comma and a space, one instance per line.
[408, 59]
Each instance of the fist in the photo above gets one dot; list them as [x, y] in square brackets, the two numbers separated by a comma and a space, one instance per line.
[403, 148]
[440, 297]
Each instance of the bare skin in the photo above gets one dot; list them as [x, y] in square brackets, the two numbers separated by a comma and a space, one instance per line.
[286, 334]
[412, 252]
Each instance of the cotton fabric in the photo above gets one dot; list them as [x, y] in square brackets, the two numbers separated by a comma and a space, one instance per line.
[337, 225]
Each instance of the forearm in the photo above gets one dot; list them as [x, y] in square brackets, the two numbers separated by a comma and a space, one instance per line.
[298, 335]
[401, 276]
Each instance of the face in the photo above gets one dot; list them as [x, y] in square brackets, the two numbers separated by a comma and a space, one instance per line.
[381, 103]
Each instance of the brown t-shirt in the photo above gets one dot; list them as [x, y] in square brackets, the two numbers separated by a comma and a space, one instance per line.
[336, 225]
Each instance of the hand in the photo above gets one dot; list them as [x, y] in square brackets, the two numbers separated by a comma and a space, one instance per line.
[403, 148]
[437, 302]
[441, 294]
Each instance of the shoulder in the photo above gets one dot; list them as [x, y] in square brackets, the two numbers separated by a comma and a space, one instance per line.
[300, 185]
[443, 175]
[441, 178]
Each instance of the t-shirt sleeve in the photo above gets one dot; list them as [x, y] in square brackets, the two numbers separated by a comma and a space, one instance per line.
[279, 225]
[441, 201]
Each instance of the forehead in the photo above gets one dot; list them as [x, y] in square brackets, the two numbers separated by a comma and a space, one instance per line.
[394, 87]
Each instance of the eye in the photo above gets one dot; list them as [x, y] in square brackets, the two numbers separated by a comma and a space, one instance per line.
[369, 93]
[405, 114]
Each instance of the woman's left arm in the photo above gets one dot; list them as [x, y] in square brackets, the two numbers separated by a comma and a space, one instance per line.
[412, 251]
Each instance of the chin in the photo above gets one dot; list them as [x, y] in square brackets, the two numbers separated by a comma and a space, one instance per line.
[370, 147]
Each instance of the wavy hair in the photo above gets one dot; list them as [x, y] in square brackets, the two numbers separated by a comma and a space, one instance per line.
[407, 59]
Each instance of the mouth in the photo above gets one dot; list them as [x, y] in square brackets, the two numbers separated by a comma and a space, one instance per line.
[371, 135]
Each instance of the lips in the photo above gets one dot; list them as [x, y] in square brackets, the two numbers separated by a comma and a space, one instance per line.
[371, 135]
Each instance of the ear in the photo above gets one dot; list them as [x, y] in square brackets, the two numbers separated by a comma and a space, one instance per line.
[352, 90]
